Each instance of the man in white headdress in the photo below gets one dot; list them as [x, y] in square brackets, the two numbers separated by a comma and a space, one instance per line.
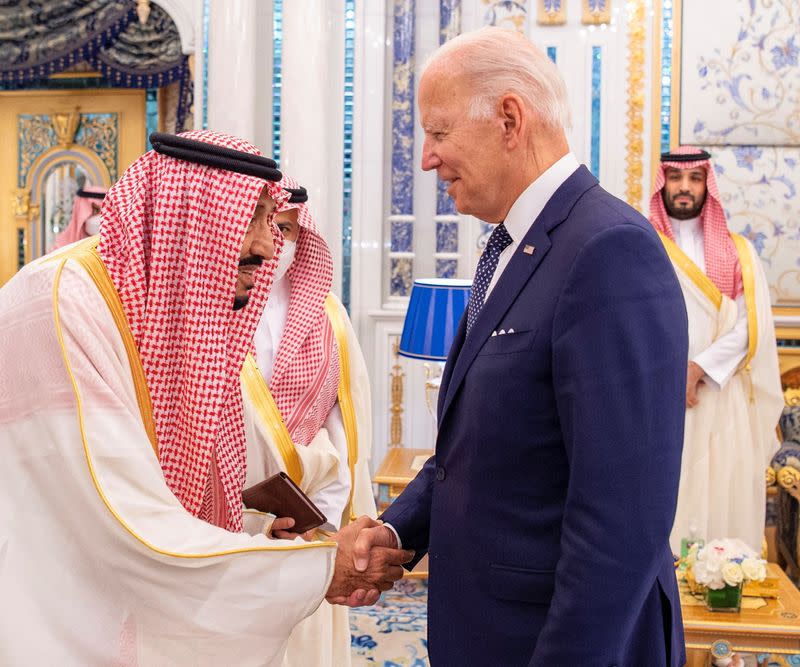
[123, 431]
[307, 407]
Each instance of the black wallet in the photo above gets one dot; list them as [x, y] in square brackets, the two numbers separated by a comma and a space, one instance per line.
[280, 496]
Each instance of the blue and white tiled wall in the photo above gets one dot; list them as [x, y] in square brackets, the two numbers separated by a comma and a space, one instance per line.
[401, 216]
[745, 83]
[581, 51]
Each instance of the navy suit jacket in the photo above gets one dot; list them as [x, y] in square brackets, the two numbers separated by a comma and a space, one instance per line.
[547, 507]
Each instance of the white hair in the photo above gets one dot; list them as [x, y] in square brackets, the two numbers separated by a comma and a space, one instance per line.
[496, 62]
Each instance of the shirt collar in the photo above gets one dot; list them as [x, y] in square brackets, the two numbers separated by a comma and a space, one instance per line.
[680, 227]
[534, 198]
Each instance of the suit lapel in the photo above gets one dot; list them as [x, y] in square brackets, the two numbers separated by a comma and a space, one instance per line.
[452, 355]
[515, 276]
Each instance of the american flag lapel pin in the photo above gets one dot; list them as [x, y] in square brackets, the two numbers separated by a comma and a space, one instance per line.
[528, 249]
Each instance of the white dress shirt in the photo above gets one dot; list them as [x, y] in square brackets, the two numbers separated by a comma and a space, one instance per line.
[720, 359]
[332, 499]
[528, 206]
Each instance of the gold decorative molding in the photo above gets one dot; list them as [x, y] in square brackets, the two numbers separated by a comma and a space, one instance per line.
[770, 477]
[143, 10]
[21, 203]
[396, 397]
[789, 478]
[551, 12]
[596, 12]
[655, 105]
[634, 133]
[65, 124]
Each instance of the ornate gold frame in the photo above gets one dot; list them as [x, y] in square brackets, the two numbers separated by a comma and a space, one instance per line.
[634, 127]
[19, 203]
[25, 210]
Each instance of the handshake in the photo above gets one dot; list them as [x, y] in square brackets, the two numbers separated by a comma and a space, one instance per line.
[367, 560]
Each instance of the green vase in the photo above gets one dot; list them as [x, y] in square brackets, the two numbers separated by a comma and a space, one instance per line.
[728, 598]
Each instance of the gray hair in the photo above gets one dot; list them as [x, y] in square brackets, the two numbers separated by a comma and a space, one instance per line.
[496, 62]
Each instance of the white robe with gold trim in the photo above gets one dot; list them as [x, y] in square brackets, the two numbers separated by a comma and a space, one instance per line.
[99, 562]
[323, 639]
[729, 436]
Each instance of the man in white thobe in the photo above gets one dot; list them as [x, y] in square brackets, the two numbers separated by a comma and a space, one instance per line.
[122, 428]
[307, 407]
[733, 393]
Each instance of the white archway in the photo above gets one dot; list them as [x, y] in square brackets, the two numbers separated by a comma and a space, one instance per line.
[187, 15]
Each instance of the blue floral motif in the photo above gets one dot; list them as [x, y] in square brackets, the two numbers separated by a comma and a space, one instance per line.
[785, 56]
[734, 86]
[791, 189]
[756, 238]
[746, 156]
[447, 237]
[552, 5]
[513, 12]
[401, 276]
[446, 268]
[392, 633]
[402, 236]
[747, 79]
[444, 202]
[362, 641]
[790, 162]
[449, 19]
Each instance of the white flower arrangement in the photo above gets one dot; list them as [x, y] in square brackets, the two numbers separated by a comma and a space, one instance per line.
[725, 562]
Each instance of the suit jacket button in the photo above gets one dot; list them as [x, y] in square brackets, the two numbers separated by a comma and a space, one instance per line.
[440, 473]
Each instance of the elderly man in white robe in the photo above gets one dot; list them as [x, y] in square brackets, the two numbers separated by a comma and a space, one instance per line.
[307, 407]
[123, 434]
[733, 392]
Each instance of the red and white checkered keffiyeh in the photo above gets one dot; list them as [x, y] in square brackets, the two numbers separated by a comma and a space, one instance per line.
[171, 240]
[721, 259]
[305, 377]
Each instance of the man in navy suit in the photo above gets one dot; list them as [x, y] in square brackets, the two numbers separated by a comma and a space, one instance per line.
[546, 510]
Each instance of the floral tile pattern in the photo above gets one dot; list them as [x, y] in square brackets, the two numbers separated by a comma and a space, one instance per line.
[759, 190]
[744, 76]
[393, 633]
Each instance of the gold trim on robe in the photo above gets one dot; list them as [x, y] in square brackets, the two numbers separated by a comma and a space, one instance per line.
[85, 253]
[346, 404]
[682, 261]
[90, 248]
[258, 391]
[749, 283]
[256, 387]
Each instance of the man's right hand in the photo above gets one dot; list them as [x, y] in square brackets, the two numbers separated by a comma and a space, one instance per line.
[352, 586]
[694, 378]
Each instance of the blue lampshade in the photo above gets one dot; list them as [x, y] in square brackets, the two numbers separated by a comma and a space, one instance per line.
[434, 311]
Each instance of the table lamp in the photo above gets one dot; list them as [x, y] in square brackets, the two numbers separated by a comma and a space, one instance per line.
[434, 311]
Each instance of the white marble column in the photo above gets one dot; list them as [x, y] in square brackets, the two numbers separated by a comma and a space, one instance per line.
[233, 74]
[312, 111]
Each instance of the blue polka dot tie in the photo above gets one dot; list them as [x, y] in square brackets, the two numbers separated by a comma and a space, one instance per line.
[498, 241]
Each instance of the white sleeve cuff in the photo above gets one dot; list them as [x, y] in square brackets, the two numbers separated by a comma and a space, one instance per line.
[396, 535]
